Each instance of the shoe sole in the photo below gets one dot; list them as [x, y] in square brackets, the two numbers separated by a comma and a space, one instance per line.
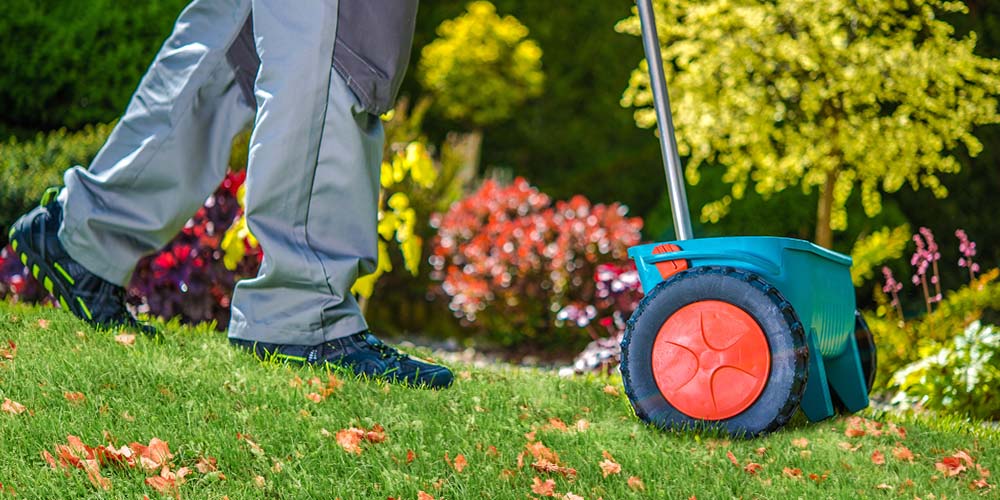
[47, 275]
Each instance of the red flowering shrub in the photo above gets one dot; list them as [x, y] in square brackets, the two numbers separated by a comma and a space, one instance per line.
[510, 259]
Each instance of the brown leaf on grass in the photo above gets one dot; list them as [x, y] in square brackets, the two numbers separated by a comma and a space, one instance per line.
[410, 456]
[93, 469]
[548, 467]
[752, 468]
[421, 495]
[636, 484]
[800, 443]
[314, 397]
[492, 451]
[818, 478]
[795, 473]
[557, 424]
[153, 456]
[897, 430]
[732, 458]
[539, 451]
[955, 464]
[205, 465]
[570, 496]
[125, 339]
[878, 458]
[460, 463]
[259, 481]
[254, 447]
[43, 323]
[350, 439]
[74, 397]
[611, 390]
[980, 484]
[883, 486]
[760, 451]
[902, 453]
[12, 407]
[530, 436]
[854, 432]
[844, 445]
[376, 434]
[582, 425]
[9, 351]
[545, 488]
[609, 466]
[167, 482]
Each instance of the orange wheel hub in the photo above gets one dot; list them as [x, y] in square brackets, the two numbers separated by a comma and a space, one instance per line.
[711, 360]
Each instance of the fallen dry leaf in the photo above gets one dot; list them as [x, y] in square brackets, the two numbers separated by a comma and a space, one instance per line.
[254, 447]
[582, 425]
[350, 439]
[460, 463]
[259, 481]
[549, 467]
[902, 453]
[167, 482]
[818, 478]
[545, 488]
[43, 323]
[954, 464]
[752, 468]
[557, 424]
[611, 390]
[570, 496]
[795, 473]
[12, 407]
[760, 451]
[540, 452]
[314, 397]
[609, 467]
[878, 458]
[800, 443]
[636, 484]
[732, 458]
[844, 445]
[421, 495]
[10, 351]
[205, 465]
[410, 456]
[125, 339]
[883, 486]
[74, 397]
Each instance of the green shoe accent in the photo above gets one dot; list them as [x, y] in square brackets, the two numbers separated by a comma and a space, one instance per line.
[24, 259]
[84, 307]
[49, 195]
[34, 271]
[63, 304]
[64, 273]
[10, 234]
[13, 245]
[48, 284]
[289, 357]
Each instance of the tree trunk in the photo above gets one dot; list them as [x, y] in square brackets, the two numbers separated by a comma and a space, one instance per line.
[824, 234]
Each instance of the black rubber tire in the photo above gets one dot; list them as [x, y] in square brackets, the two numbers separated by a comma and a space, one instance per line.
[785, 336]
[869, 358]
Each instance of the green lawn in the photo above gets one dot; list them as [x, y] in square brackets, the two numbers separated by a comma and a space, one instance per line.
[195, 392]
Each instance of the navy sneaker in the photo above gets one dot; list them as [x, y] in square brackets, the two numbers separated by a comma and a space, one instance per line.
[88, 296]
[364, 354]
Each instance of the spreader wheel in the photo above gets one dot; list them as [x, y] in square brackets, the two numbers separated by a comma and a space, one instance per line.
[715, 347]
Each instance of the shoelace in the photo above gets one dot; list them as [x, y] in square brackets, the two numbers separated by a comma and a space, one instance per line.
[385, 351]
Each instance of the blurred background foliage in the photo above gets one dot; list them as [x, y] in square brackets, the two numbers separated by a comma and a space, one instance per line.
[68, 68]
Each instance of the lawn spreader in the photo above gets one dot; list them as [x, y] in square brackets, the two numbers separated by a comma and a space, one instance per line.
[737, 333]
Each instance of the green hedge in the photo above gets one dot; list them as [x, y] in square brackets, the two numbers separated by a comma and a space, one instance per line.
[69, 63]
[28, 167]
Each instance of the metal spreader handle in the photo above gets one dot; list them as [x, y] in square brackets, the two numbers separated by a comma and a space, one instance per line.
[665, 122]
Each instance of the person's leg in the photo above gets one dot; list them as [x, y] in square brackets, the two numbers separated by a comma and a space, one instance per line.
[312, 184]
[168, 152]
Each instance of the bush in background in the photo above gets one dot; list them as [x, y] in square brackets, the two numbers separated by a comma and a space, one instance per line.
[30, 166]
[71, 63]
[509, 259]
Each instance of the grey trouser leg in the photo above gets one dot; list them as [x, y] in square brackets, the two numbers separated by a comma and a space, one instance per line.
[312, 184]
[168, 153]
